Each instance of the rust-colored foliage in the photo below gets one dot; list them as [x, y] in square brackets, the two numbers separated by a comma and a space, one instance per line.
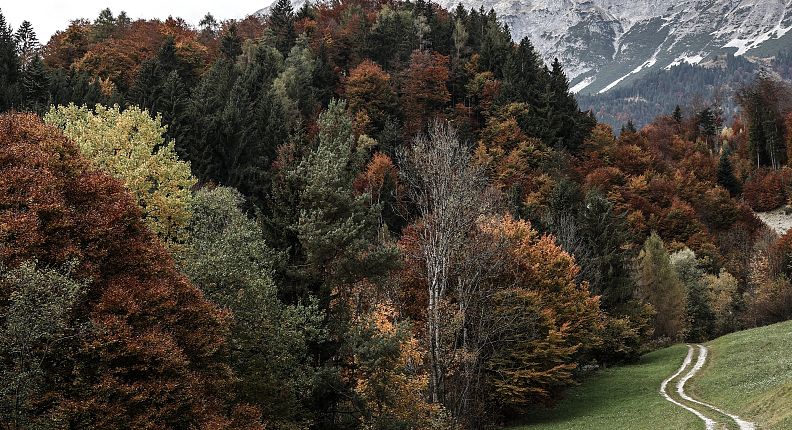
[555, 319]
[424, 88]
[153, 356]
[766, 189]
[119, 56]
[368, 89]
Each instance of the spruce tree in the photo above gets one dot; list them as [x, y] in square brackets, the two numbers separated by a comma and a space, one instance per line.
[35, 87]
[103, 26]
[9, 67]
[629, 127]
[281, 24]
[562, 119]
[171, 103]
[154, 72]
[254, 126]
[204, 143]
[606, 235]
[208, 26]
[231, 43]
[523, 75]
[27, 44]
[677, 115]
[725, 173]
[307, 11]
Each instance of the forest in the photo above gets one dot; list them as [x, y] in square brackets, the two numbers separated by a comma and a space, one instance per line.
[359, 214]
[694, 87]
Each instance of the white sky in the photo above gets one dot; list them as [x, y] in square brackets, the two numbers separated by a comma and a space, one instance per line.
[48, 16]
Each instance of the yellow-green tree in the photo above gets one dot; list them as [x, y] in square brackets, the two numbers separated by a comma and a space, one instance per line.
[659, 285]
[129, 145]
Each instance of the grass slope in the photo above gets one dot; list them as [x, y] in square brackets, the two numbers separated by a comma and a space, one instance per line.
[748, 373]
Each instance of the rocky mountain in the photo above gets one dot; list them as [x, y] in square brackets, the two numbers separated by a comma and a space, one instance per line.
[605, 44]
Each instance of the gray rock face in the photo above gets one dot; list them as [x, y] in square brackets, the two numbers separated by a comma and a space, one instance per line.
[605, 43]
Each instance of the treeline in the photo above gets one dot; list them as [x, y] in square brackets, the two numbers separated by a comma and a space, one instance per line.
[355, 215]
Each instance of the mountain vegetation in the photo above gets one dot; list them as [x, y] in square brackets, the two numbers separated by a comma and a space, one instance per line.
[359, 214]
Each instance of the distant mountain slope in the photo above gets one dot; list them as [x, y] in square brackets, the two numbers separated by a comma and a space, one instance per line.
[606, 44]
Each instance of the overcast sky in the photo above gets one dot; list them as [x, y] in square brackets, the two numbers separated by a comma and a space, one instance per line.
[48, 16]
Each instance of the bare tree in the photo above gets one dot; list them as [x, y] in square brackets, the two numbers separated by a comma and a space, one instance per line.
[450, 193]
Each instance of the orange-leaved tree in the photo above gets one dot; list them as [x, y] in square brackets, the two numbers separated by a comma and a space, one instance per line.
[548, 320]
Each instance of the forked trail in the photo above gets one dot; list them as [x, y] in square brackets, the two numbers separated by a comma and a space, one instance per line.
[712, 416]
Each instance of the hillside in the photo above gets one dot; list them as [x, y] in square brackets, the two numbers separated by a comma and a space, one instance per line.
[657, 93]
[748, 373]
[607, 44]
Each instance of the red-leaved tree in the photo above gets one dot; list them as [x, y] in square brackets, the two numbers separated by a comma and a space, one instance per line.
[151, 355]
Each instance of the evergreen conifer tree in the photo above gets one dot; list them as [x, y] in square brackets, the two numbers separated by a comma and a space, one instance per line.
[27, 44]
[281, 24]
[659, 285]
[9, 67]
[204, 143]
[231, 43]
[172, 102]
[677, 115]
[35, 87]
[725, 173]
[701, 319]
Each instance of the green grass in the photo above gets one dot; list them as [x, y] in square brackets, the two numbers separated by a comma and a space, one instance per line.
[748, 373]
[625, 397]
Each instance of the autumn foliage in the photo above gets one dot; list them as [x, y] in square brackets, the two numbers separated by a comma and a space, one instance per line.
[153, 355]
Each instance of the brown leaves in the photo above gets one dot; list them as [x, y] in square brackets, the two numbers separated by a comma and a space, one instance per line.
[153, 358]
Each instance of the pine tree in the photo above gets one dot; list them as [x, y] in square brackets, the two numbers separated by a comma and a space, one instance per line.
[332, 213]
[281, 24]
[9, 67]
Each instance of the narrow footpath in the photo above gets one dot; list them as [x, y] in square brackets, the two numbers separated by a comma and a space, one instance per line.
[713, 417]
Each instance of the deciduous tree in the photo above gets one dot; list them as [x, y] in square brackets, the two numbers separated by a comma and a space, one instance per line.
[129, 145]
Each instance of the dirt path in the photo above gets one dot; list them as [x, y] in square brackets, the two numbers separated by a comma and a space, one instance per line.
[710, 423]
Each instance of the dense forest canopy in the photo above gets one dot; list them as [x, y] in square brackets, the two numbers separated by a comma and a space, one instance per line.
[359, 214]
